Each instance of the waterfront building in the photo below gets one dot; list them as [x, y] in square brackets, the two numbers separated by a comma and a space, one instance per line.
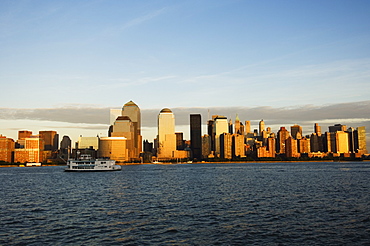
[88, 143]
[51, 140]
[225, 141]
[282, 135]
[66, 143]
[360, 140]
[261, 126]
[247, 128]
[304, 145]
[220, 127]
[206, 146]
[315, 142]
[317, 129]
[211, 134]
[127, 123]
[341, 141]
[131, 110]
[166, 134]
[32, 151]
[196, 136]
[230, 126]
[113, 148]
[238, 126]
[338, 127]
[271, 145]
[296, 131]
[291, 148]
[238, 146]
[7, 146]
[180, 142]
[24, 134]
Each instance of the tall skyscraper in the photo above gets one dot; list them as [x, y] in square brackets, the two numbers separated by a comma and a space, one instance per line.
[337, 127]
[196, 135]
[220, 127]
[282, 135]
[238, 126]
[51, 140]
[247, 128]
[261, 127]
[296, 131]
[131, 110]
[360, 140]
[231, 127]
[127, 123]
[166, 134]
[317, 129]
[7, 146]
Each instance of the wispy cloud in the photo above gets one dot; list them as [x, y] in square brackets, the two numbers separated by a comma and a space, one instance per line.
[118, 29]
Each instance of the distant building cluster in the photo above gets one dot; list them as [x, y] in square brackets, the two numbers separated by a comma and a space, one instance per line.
[224, 140]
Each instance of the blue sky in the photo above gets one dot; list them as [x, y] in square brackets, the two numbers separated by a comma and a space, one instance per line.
[181, 54]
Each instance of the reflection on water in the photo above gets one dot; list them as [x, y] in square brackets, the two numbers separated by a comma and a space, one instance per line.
[203, 204]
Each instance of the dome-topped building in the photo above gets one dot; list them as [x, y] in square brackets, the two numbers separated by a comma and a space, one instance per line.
[166, 110]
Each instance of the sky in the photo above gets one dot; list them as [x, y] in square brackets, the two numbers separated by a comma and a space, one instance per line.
[64, 64]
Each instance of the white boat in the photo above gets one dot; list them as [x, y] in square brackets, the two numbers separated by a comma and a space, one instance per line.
[85, 163]
[33, 164]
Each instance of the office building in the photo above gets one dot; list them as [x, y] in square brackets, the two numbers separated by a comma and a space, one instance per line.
[238, 126]
[296, 131]
[7, 146]
[196, 136]
[225, 141]
[113, 148]
[220, 127]
[317, 129]
[291, 148]
[261, 127]
[131, 110]
[32, 151]
[206, 146]
[360, 140]
[51, 140]
[338, 127]
[282, 135]
[166, 134]
[238, 146]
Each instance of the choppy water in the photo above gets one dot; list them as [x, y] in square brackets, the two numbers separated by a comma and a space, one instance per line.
[203, 204]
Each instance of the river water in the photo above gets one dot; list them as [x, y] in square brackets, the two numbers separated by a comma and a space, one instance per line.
[188, 204]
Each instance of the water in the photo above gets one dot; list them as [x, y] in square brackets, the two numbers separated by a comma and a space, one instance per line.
[195, 204]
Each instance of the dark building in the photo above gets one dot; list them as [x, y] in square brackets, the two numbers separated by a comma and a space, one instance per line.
[196, 135]
[51, 140]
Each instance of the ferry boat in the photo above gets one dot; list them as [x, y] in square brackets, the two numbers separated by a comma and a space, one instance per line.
[85, 163]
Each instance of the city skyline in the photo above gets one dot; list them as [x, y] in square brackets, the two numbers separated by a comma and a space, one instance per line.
[64, 64]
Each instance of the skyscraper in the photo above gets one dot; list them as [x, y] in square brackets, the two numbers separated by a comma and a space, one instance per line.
[237, 126]
[282, 135]
[317, 129]
[261, 127]
[220, 127]
[166, 134]
[131, 110]
[51, 140]
[360, 140]
[196, 135]
[296, 131]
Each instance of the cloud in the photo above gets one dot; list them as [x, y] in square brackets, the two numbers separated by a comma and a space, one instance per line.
[80, 117]
[283, 115]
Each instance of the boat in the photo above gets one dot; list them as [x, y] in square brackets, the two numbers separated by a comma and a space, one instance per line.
[85, 163]
[33, 164]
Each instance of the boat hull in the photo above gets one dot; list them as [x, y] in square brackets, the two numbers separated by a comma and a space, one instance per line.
[116, 168]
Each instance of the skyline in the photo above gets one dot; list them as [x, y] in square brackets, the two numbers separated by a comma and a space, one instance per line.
[64, 64]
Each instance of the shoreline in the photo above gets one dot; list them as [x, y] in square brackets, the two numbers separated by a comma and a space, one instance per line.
[195, 163]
